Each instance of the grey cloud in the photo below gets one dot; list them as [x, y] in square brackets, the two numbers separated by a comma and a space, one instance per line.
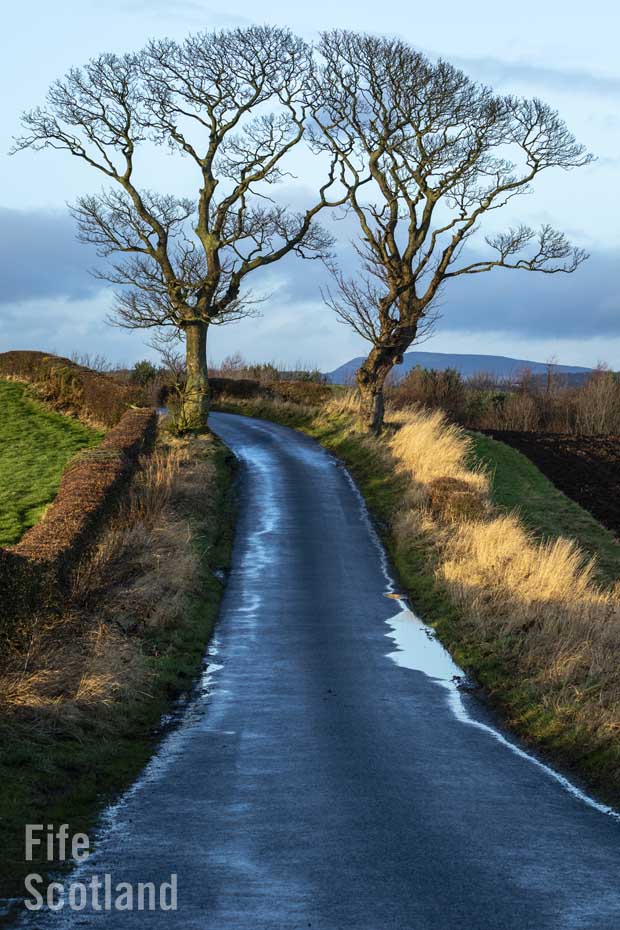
[56, 326]
[502, 74]
[530, 305]
[580, 305]
[41, 257]
[41, 261]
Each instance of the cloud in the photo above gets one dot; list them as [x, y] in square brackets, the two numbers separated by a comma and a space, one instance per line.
[502, 73]
[41, 257]
[188, 9]
[585, 304]
[63, 327]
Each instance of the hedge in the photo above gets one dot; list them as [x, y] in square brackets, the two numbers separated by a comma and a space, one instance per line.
[299, 392]
[71, 387]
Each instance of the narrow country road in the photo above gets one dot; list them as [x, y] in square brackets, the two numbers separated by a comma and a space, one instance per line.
[322, 778]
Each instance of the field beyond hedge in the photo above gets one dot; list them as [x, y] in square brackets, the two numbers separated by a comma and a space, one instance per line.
[35, 446]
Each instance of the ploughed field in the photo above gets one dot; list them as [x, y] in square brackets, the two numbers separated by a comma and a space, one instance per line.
[35, 446]
[585, 468]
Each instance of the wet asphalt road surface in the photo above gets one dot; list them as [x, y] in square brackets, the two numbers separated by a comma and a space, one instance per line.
[313, 782]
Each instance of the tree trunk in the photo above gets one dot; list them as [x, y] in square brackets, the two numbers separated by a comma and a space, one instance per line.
[370, 381]
[196, 395]
[373, 409]
[373, 373]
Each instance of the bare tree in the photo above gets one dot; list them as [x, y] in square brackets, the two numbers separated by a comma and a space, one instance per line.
[424, 154]
[235, 104]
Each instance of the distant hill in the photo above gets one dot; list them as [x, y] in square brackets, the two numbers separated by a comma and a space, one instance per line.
[499, 366]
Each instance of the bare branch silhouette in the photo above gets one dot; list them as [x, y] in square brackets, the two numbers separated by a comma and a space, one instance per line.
[424, 154]
[236, 103]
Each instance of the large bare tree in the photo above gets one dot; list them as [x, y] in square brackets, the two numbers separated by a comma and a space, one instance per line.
[425, 154]
[235, 104]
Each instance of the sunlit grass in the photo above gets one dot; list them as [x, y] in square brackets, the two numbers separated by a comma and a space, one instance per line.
[518, 486]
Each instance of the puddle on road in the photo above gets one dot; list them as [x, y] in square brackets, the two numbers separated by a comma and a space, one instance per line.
[418, 649]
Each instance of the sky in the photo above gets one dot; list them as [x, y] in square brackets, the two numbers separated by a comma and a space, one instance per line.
[565, 53]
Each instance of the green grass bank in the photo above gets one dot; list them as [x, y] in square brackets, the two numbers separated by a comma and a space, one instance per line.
[35, 446]
[518, 485]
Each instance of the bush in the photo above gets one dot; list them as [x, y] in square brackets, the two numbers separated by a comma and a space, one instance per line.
[144, 373]
[236, 387]
[236, 367]
[443, 390]
[549, 403]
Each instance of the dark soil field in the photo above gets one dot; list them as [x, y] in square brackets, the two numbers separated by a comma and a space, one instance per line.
[585, 468]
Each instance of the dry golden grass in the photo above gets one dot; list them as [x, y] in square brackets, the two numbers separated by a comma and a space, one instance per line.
[345, 402]
[65, 675]
[540, 596]
[498, 553]
[139, 576]
[429, 447]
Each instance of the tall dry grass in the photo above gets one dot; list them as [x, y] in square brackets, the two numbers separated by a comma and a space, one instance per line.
[539, 600]
[427, 445]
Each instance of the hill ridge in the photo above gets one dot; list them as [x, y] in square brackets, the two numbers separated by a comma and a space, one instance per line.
[502, 367]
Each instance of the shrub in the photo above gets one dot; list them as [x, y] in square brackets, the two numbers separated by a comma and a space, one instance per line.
[144, 373]
[436, 389]
[236, 387]
[308, 392]
[598, 404]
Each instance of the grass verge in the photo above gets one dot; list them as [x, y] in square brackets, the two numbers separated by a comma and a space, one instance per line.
[80, 711]
[35, 446]
[520, 609]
